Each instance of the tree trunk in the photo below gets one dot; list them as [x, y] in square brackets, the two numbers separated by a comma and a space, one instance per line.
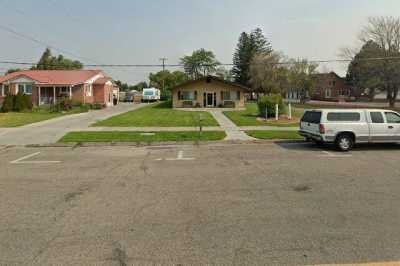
[392, 102]
[392, 96]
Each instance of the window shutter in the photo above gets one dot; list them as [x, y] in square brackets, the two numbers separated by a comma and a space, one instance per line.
[222, 95]
[179, 95]
[238, 95]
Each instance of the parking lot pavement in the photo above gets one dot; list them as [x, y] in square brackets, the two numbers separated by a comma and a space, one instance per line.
[270, 204]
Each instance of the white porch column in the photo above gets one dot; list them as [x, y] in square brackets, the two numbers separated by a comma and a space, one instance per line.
[39, 89]
[54, 95]
[70, 92]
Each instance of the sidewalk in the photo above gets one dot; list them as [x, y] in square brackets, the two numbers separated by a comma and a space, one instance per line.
[232, 131]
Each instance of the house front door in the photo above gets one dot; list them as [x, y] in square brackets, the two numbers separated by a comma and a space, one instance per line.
[210, 100]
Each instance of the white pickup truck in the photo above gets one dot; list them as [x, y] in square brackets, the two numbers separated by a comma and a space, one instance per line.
[345, 127]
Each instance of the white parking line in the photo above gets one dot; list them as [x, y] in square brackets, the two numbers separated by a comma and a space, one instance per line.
[22, 160]
[178, 158]
[332, 155]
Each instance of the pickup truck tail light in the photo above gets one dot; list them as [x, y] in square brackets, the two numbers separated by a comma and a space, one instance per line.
[321, 129]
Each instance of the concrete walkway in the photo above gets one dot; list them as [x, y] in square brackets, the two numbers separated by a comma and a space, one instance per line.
[232, 131]
[50, 131]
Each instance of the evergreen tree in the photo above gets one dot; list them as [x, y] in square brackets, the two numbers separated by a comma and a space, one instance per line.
[248, 46]
[241, 60]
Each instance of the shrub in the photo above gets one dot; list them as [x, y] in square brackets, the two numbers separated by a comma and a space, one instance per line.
[22, 102]
[269, 102]
[8, 104]
[97, 106]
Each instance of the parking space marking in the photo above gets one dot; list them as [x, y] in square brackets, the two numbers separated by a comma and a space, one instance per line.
[332, 155]
[22, 160]
[178, 158]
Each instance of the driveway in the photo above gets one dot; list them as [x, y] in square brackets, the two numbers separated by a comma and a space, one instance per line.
[50, 131]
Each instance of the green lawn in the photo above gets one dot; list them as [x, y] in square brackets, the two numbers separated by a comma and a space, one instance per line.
[249, 116]
[290, 135]
[158, 115]
[13, 119]
[140, 137]
[21, 119]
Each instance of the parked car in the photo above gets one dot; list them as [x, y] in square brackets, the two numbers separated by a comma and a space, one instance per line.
[151, 94]
[129, 99]
[346, 127]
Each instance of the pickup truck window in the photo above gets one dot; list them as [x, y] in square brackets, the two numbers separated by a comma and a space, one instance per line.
[377, 118]
[392, 118]
[312, 117]
[344, 117]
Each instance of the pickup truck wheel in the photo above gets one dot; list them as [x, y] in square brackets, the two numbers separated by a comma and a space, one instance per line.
[344, 142]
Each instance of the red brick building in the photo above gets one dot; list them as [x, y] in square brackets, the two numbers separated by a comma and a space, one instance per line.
[48, 86]
[331, 87]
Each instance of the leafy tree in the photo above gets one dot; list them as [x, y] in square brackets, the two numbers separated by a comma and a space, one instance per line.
[381, 38]
[248, 46]
[12, 70]
[122, 86]
[267, 75]
[49, 62]
[139, 86]
[200, 63]
[364, 74]
[166, 80]
[301, 77]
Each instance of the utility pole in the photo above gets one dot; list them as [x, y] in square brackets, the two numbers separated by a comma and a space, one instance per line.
[163, 60]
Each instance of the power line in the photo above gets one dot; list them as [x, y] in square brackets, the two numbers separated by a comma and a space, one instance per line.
[27, 37]
[220, 64]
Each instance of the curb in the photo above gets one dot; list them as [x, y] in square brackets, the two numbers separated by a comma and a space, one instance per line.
[153, 144]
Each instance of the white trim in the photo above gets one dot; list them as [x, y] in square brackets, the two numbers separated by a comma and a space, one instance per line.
[94, 78]
[22, 79]
[89, 89]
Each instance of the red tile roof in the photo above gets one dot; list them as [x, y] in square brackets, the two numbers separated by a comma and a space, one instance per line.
[54, 77]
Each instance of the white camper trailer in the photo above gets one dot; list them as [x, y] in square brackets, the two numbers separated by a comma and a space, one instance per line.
[151, 94]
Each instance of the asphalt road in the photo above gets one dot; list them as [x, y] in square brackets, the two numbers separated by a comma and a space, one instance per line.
[264, 204]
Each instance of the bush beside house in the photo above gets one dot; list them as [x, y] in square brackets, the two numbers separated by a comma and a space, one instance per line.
[17, 103]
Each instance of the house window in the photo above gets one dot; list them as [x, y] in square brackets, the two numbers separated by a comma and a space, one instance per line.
[24, 88]
[21, 88]
[188, 96]
[28, 89]
[89, 90]
[231, 95]
[6, 90]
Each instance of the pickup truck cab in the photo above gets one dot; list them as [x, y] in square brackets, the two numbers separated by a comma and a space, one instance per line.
[346, 127]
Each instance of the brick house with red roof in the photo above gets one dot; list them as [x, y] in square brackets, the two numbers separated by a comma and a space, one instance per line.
[49, 86]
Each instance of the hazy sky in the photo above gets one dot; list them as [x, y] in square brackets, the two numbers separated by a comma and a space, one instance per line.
[140, 32]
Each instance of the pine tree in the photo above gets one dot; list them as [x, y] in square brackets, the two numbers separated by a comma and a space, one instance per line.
[241, 60]
[248, 46]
